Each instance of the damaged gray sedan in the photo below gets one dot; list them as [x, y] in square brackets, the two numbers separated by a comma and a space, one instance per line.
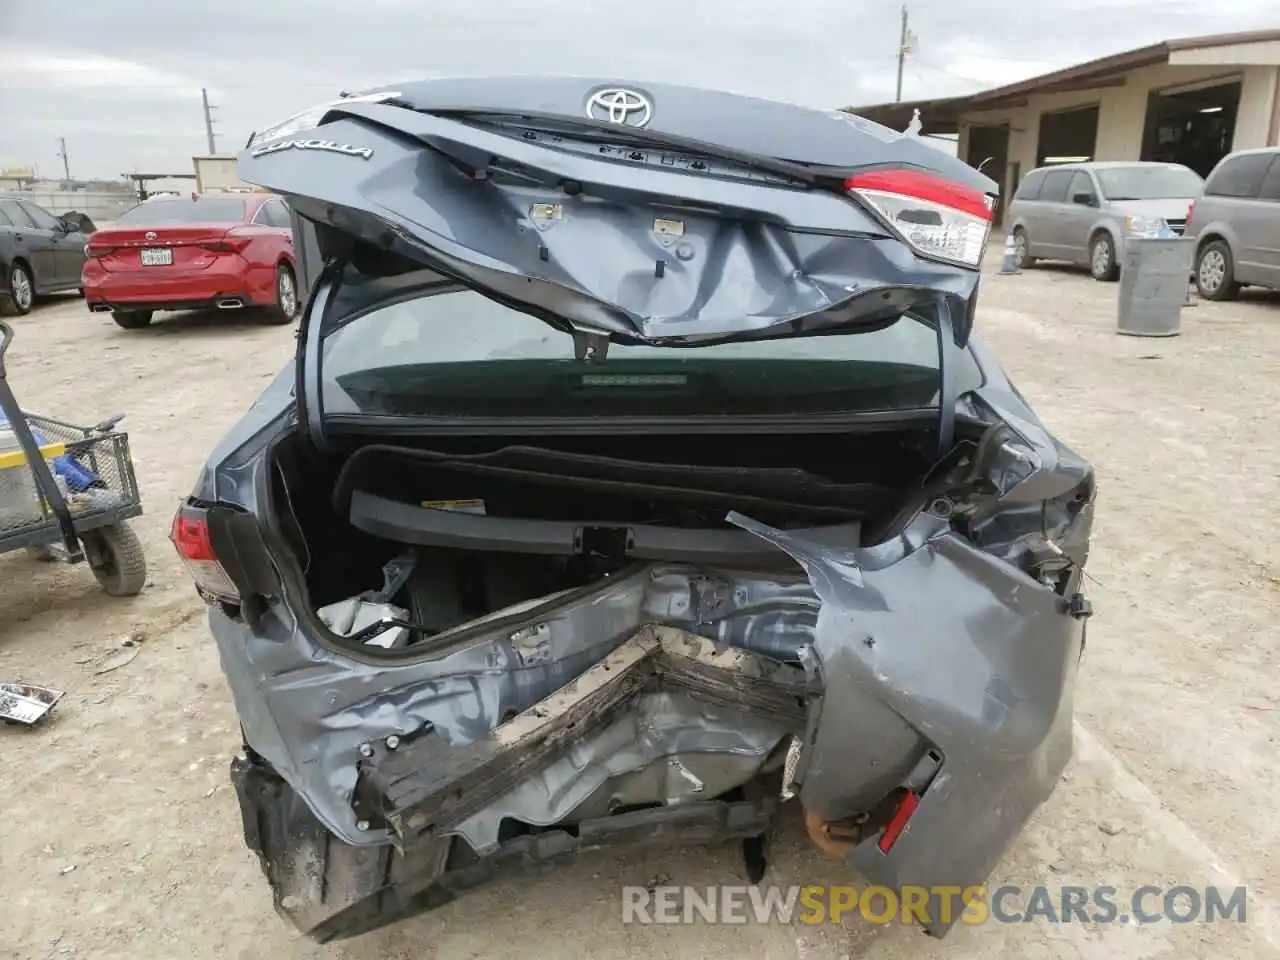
[637, 474]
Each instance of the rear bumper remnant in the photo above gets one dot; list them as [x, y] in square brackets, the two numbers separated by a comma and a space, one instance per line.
[425, 788]
[922, 665]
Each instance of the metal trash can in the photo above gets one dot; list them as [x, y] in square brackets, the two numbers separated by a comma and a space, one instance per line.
[1153, 285]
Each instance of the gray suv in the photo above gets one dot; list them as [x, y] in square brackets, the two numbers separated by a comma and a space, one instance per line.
[1081, 212]
[1237, 224]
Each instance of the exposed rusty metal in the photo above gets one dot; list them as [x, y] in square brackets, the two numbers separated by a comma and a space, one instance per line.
[835, 838]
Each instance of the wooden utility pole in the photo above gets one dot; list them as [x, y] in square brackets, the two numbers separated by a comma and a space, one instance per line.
[66, 163]
[208, 121]
[902, 54]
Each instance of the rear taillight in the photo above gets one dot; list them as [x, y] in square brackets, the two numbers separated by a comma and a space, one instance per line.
[91, 251]
[1191, 211]
[190, 536]
[935, 217]
[231, 243]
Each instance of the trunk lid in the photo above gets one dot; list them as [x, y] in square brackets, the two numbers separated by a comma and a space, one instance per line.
[170, 234]
[185, 247]
[675, 223]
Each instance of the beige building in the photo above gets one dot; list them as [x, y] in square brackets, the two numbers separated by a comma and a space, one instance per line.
[216, 174]
[1188, 101]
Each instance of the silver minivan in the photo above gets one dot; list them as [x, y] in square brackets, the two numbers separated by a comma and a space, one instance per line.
[1237, 224]
[1082, 212]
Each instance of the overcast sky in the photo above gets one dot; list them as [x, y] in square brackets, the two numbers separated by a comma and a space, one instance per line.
[121, 79]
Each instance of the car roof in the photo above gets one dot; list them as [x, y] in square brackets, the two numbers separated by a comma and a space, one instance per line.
[1108, 165]
[1250, 150]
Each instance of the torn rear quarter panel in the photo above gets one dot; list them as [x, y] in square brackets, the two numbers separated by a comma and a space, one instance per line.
[927, 643]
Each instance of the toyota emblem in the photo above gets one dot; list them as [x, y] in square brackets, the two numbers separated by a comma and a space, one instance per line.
[620, 105]
[150, 235]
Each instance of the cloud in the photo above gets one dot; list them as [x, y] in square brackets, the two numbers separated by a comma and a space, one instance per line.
[130, 69]
[42, 69]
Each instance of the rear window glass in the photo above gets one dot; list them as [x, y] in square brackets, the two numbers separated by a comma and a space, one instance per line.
[15, 214]
[1150, 183]
[458, 353]
[155, 213]
[1239, 176]
[1271, 185]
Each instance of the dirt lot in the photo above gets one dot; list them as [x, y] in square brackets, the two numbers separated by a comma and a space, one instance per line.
[122, 836]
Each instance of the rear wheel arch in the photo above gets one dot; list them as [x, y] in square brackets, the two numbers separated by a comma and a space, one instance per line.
[21, 263]
[25, 264]
[1215, 282]
[1098, 231]
[277, 312]
[1208, 237]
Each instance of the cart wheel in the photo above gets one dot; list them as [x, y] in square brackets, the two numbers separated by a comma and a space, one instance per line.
[116, 558]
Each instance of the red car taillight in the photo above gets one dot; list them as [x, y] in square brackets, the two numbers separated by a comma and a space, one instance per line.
[90, 251]
[935, 217]
[190, 536]
[1191, 212]
[231, 243]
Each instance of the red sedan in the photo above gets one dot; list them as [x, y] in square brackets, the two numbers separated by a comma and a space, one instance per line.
[185, 253]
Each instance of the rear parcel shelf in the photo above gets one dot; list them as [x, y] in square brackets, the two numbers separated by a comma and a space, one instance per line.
[426, 526]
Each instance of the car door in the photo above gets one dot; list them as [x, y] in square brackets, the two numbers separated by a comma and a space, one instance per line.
[1260, 229]
[263, 254]
[1078, 216]
[1024, 210]
[1243, 218]
[1051, 210]
[68, 245]
[32, 244]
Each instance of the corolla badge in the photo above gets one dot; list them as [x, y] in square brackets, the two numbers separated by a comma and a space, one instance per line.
[329, 146]
[620, 105]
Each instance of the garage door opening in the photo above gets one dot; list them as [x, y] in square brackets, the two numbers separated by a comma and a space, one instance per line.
[989, 152]
[1068, 137]
[1191, 127]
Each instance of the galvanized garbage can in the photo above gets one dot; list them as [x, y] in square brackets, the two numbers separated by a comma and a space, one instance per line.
[1153, 285]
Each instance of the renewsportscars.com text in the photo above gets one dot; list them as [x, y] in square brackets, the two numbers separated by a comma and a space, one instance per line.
[917, 905]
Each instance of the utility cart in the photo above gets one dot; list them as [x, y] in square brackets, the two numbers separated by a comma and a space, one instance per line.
[67, 492]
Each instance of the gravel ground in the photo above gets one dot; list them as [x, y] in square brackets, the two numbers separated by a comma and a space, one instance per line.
[122, 835]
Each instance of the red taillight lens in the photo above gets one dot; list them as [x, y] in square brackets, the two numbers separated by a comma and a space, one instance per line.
[231, 243]
[935, 217]
[1191, 212]
[91, 251]
[190, 536]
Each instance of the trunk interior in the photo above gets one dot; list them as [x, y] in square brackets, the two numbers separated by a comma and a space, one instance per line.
[490, 522]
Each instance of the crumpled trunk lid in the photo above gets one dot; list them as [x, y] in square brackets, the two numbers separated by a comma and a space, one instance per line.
[645, 243]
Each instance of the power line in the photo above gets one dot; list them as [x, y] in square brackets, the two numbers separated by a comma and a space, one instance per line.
[956, 76]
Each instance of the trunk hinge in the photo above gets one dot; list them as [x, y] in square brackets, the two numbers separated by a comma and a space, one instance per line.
[307, 384]
[590, 345]
[948, 355]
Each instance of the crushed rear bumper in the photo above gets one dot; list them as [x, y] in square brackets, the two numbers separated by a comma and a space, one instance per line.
[921, 664]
